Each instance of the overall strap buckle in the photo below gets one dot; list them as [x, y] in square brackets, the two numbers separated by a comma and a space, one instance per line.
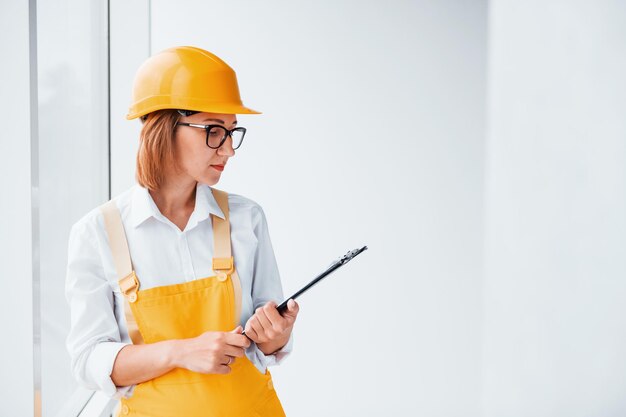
[129, 286]
[223, 267]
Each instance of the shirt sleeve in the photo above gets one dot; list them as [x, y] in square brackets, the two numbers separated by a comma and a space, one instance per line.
[266, 283]
[93, 341]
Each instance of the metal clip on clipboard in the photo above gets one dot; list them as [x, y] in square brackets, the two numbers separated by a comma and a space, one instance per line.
[332, 268]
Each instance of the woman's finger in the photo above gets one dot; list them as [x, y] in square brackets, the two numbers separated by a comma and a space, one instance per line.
[250, 332]
[268, 326]
[292, 309]
[234, 351]
[288, 316]
[258, 329]
[222, 369]
[278, 322]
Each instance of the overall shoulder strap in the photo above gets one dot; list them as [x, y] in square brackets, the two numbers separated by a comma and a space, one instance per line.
[223, 260]
[117, 239]
[127, 280]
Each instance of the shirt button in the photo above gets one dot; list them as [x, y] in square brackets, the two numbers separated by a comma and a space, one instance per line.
[125, 409]
[270, 384]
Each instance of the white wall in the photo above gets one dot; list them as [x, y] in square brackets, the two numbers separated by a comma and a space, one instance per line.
[17, 386]
[130, 46]
[555, 316]
[372, 133]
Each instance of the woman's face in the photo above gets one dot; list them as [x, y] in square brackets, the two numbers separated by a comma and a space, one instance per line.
[191, 154]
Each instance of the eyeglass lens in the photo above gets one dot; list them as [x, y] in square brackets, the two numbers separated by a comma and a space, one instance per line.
[216, 133]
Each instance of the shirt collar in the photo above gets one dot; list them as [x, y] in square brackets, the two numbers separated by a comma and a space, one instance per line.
[144, 207]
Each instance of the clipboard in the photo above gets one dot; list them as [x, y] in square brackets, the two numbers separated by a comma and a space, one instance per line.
[332, 268]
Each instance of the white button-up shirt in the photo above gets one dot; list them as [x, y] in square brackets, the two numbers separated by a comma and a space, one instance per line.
[161, 254]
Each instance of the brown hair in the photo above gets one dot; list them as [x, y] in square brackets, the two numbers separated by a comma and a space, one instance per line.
[156, 147]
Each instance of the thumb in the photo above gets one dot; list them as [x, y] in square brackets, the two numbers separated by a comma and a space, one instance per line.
[292, 308]
[237, 329]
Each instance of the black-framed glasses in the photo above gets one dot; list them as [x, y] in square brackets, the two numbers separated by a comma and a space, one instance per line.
[216, 134]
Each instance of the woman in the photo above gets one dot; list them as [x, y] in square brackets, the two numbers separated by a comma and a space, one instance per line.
[163, 279]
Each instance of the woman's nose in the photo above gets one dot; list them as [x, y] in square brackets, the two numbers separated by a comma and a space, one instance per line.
[227, 147]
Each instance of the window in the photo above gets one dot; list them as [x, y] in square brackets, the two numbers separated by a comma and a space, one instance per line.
[72, 62]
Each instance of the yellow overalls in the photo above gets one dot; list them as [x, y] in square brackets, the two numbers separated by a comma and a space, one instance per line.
[183, 311]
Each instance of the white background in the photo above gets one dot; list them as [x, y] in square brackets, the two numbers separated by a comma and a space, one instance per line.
[478, 150]
[372, 133]
[16, 206]
[555, 258]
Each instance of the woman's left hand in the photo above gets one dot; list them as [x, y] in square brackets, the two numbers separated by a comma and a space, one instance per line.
[268, 329]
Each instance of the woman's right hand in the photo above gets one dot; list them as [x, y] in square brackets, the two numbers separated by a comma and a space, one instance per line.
[210, 352]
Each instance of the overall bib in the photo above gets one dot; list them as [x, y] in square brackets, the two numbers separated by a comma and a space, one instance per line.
[187, 310]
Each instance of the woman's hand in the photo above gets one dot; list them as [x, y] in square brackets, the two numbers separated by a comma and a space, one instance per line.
[211, 352]
[268, 329]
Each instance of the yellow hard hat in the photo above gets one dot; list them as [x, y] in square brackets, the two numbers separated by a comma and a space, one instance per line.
[186, 78]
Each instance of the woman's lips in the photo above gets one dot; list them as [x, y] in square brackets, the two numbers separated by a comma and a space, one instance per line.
[218, 167]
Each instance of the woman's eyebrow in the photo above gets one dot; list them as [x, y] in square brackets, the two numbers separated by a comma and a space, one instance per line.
[218, 120]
